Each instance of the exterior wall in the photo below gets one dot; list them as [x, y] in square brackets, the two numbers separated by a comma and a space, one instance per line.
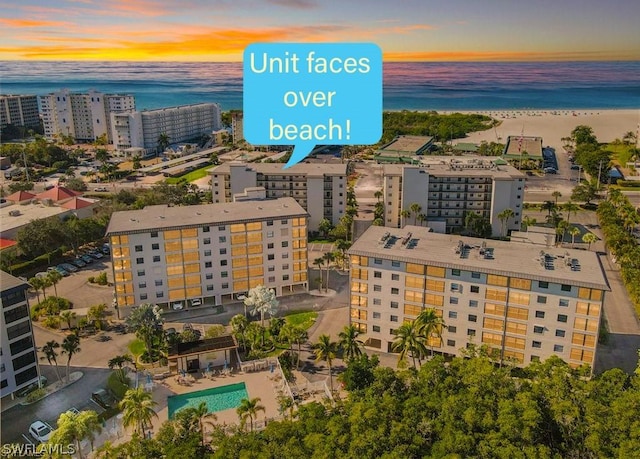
[19, 110]
[506, 194]
[392, 191]
[520, 319]
[18, 359]
[214, 262]
[414, 189]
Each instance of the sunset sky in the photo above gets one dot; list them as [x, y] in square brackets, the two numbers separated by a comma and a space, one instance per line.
[218, 30]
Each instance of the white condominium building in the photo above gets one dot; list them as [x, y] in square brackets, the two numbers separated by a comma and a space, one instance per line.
[321, 189]
[85, 117]
[446, 192]
[141, 129]
[213, 253]
[523, 301]
[18, 359]
[19, 110]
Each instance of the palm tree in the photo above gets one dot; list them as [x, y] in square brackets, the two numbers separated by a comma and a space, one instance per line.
[422, 218]
[408, 342]
[589, 238]
[70, 346]
[120, 361]
[330, 258]
[263, 300]
[68, 316]
[574, 231]
[239, 327]
[570, 207]
[504, 217]
[249, 408]
[326, 350]
[137, 409]
[349, 342]
[36, 285]
[556, 195]
[378, 195]
[319, 262]
[300, 336]
[527, 222]
[430, 326]
[163, 142]
[415, 209]
[549, 206]
[74, 427]
[49, 351]
[196, 418]
[97, 314]
[405, 213]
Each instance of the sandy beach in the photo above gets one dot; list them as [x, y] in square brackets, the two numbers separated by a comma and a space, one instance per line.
[553, 125]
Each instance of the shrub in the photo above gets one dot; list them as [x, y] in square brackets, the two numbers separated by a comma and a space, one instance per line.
[51, 322]
[101, 279]
[92, 279]
[36, 395]
[118, 383]
[215, 331]
[287, 362]
[629, 183]
[51, 306]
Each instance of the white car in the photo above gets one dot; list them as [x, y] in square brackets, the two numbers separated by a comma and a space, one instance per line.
[177, 306]
[196, 302]
[40, 431]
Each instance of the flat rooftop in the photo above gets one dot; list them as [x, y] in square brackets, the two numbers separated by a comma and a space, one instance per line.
[407, 145]
[558, 265]
[163, 217]
[18, 215]
[455, 167]
[7, 281]
[531, 145]
[309, 169]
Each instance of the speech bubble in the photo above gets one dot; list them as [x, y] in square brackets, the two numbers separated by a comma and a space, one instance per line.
[308, 94]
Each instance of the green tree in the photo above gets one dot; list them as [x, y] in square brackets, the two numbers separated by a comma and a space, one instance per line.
[239, 325]
[319, 262]
[430, 326]
[68, 317]
[36, 285]
[589, 238]
[415, 211]
[556, 195]
[120, 361]
[102, 155]
[146, 321]
[197, 418]
[360, 372]
[349, 342]
[163, 142]
[70, 347]
[408, 342]
[138, 409]
[75, 427]
[136, 164]
[583, 135]
[378, 195]
[249, 408]
[549, 206]
[263, 301]
[504, 217]
[570, 207]
[49, 351]
[275, 327]
[76, 184]
[574, 231]
[326, 350]
[405, 214]
[528, 221]
[585, 192]
[54, 277]
[325, 226]
[329, 258]
[97, 315]
[41, 236]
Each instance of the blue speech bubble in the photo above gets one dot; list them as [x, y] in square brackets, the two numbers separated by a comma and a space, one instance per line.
[305, 94]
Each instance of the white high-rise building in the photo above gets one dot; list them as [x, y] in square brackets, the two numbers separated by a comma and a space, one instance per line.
[141, 129]
[525, 302]
[445, 193]
[85, 117]
[19, 110]
[18, 358]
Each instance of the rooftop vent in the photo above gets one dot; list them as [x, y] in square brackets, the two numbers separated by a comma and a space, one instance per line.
[406, 239]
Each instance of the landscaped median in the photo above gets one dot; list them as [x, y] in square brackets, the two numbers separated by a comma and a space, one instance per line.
[44, 392]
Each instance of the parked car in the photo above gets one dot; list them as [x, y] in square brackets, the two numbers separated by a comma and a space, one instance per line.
[42, 381]
[73, 410]
[170, 331]
[40, 431]
[101, 189]
[177, 305]
[196, 302]
[58, 269]
[69, 267]
[95, 254]
[87, 259]
[550, 170]
[106, 249]
[103, 398]
[78, 262]
[575, 167]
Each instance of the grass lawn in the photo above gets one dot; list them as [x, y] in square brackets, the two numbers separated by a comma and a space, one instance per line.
[621, 152]
[136, 347]
[303, 319]
[191, 176]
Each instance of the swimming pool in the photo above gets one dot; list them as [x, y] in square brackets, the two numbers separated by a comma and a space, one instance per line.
[216, 398]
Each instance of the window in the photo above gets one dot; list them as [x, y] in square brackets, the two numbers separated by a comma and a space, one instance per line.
[542, 299]
[140, 261]
[285, 256]
[224, 262]
[206, 240]
[207, 253]
[138, 248]
[536, 344]
[376, 328]
[394, 305]
[562, 318]
[455, 272]
[452, 329]
[270, 245]
[377, 261]
[222, 239]
[270, 223]
[285, 243]
[271, 269]
[158, 282]
[143, 296]
[222, 228]
[155, 246]
[225, 285]
[394, 291]
[154, 234]
[473, 303]
[285, 267]
[159, 294]
[284, 222]
[377, 274]
[142, 285]
[377, 301]
[271, 256]
[376, 315]
[563, 303]
[471, 332]
[395, 277]
[285, 277]
[209, 288]
[141, 272]
[394, 318]
[565, 288]
[543, 284]
[223, 251]
[538, 329]
[453, 300]
[272, 278]
[560, 333]
[456, 287]
[540, 314]
[395, 264]
[473, 318]
[475, 289]
[558, 348]
[269, 233]
[377, 288]
[208, 276]
[453, 314]
[208, 264]
[206, 229]
[475, 275]
[224, 274]
[451, 343]
[156, 258]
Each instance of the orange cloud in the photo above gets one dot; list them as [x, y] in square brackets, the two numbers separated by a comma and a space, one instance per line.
[504, 56]
[12, 22]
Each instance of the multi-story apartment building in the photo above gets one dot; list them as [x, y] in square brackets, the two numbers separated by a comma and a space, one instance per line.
[19, 110]
[83, 116]
[212, 252]
[141, 129]
[18, 359]
[237, 127]
[523, 301]
[321, 189]
[446, 192]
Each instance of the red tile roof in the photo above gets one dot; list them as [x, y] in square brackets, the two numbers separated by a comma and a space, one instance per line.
[58, 193]
[4, 243]
[76, 203]
[20, 196]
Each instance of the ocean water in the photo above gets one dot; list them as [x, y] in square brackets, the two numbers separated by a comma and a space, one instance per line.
[413, 86]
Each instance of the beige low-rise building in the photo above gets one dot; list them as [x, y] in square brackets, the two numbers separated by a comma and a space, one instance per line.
[213, 253]
[524, 301]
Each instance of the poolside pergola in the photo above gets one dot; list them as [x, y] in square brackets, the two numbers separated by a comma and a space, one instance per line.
[207, 353]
